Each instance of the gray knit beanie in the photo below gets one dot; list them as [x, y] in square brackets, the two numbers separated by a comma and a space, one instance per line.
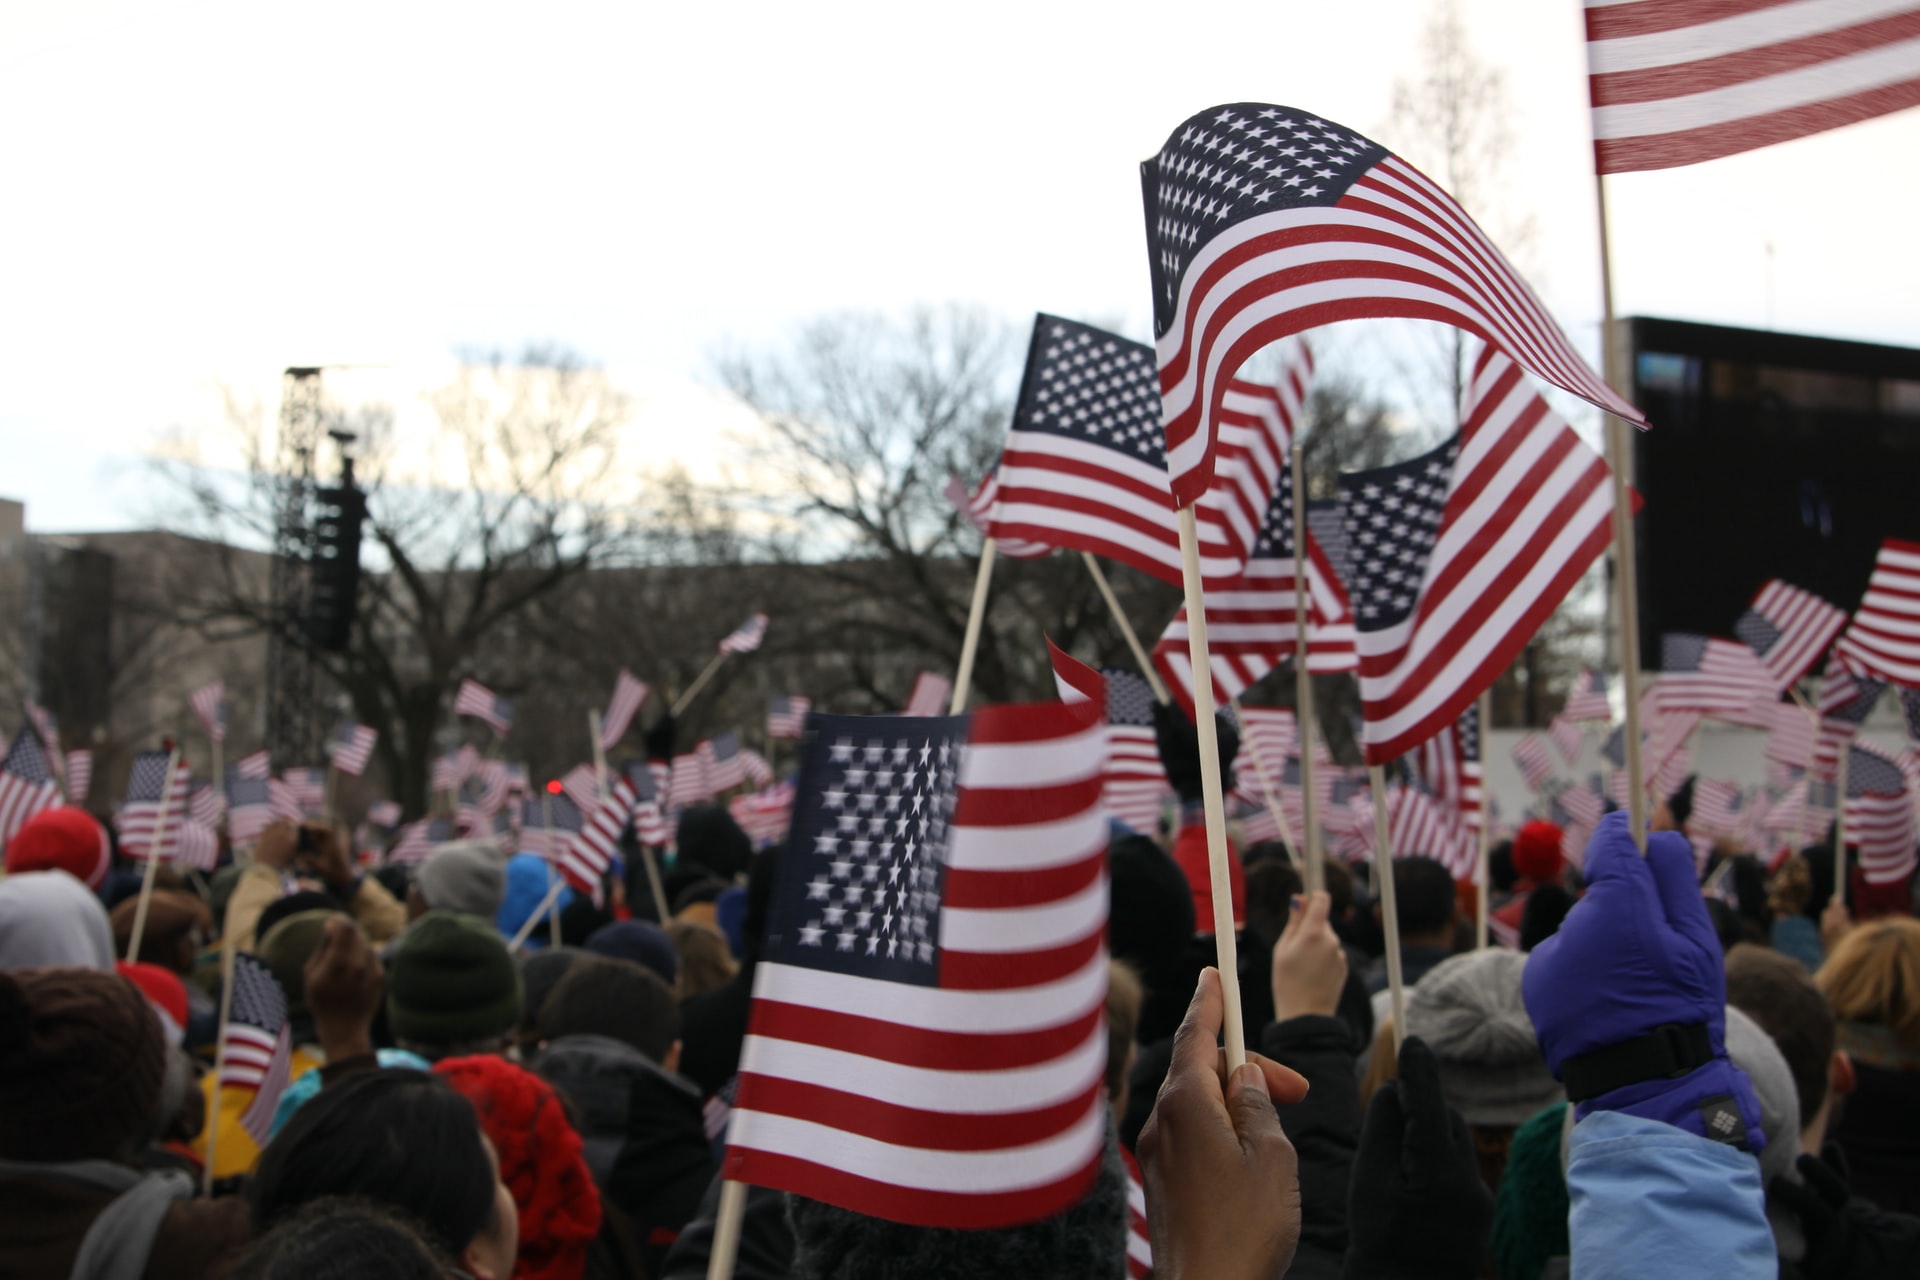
[467, 876]
[1087, 1242]
[1468, 1010]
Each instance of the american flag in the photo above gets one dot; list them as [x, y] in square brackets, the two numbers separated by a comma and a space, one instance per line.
[1712, 676]
[1269, 738]
[628, 696]
[1882, 638]
[786, 714]
[352, 747]
[1250, 617]
[746, 637]
[139, 817]
[582, 786]
[1449, 764]
[1583, 803]
[1790, 735]
[1535, 765]
[765, 815]
[192, 844]
[1587, 700]
[547, 822]
[1139, 1242]
[1879, 814]
[935, 959]
[283, 800]
[687, 780]
[205, 803]
[209, 703]
[1716, 806]
[46, 726]
[309, 787]
[722, 762]
[1263, 221]
[448, 773]
[418, 840]
[26, 785]
[1418, 826]
[79, 776]
[256, 1051]
[255, 764]
[586, 857]
[249, 808]
[1085, 467]
[930, 695]
[649, 817]
[1678, 83]
[1789, 629]
[1845, 701]
[1665, 760]
[384, 814]
[1134, 788]
[1567, 736]
[978, 508]
[1461, 554]
[483, 704]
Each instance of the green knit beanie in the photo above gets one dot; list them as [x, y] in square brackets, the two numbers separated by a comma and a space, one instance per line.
[1530, 1212]
[452, 982]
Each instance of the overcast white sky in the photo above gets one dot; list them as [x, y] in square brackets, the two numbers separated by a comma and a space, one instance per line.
[198, 194]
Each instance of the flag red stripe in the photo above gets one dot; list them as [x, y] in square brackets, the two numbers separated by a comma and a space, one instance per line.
[983, 890]
[906, 1204]
[912, 1126]
[1656, 83]
[1693, 146]
[997, 971]
[1616, 21]
[919, 1046]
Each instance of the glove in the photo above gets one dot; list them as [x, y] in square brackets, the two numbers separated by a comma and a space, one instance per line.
[1179, 744]
[1635, 956]
[1417, 1205]
[658, 738]
[1849, 1238]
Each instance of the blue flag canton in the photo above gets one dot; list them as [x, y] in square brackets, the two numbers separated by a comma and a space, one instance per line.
[1682, 651]
[148, 777]
[1470, 735]
[1756, 631]
[861, 881]
[25, 760]
[1276, 529]
[1129, 698]
[1236, 162]
[1393, 517]
[1327, 522]
[1092, 385]
[258, 1000]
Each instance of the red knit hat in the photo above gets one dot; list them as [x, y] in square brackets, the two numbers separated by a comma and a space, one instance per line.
[540, 1161]
[64, 839]
[166, 996]
[1536, 852]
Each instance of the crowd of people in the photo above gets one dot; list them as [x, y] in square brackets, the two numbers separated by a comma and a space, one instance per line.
[1647, 1078]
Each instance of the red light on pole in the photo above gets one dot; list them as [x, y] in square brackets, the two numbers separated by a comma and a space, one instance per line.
[553, 786]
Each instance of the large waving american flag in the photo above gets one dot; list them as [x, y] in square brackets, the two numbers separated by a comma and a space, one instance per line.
[927, 1038]
[1264, 221]
[629, 694]
[587, 856]
[1879, 814]
[1085, 465]
[1884, 637]
[1459, 555]
[1676, 82]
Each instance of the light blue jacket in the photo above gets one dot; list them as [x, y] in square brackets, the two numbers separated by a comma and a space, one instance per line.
[1647, 1199]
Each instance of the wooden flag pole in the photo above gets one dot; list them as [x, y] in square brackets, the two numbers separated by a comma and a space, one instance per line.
[546, 905]
[153, 857]
[1126, 628]
[976, 618]
[219, 1058]
[681, 703]
[1210, 794]
[546, 810]
[1486, 827]
[1314, 868]
[599, 752]
[1625, 573]
[1389, 906]
[1839, 894]
[726, 1230]
[219, 779]
[1802, 836]
[1274, 806]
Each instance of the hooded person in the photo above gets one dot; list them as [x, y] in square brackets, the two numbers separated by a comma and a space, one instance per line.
[64, 839]
[48, 919]
[468, 877]
[610, 1035]
[529, 878]
[83, 1067]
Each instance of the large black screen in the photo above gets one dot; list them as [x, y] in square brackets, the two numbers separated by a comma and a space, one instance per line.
[1771, 455]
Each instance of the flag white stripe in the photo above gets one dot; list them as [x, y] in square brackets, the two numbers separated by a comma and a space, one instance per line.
[935, 1009]
[1842, 77]
[969, 1092]
[1775, 24]
[1013, 930]
[1033, 847]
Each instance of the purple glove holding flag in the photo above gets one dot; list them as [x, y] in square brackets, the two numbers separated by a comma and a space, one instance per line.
[1629, 999]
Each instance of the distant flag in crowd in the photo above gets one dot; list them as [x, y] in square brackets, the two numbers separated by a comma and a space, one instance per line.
[1459, 555]
[48, 728]
[26, 784]
[257, 1044]
[352, 746]
[1567, 736]
[138, 819]
[1790, 735]
[448, 773]
[629, 695]
[649, 813]
[585, 858]
[418, 840]
[1879, 814]
[192, 844]
[384, 814]
[1587, 700]
[209, 703]
[1583, 804]
[1449, 764]
[723, 764]
[1134, 787]
[1417, 826]
[1883, 639]
[309, 787]
[206, 803]
[1789, 629]
[1269, 737]
[766, 814]
[255, 764]
[547, 822]
[1845, 701]
[930, 695]
[1676, 83]
[483, 704]
[283, 801]
[249, 808]
[1535, 765]
[1712, 676]
[79, 776]
[1264, 221]
[582, 786]
[1716, 806]
[1085, 467]
[786, 714]
[1139, 1241]
[956, 956]
[978, 508]
[746, 637]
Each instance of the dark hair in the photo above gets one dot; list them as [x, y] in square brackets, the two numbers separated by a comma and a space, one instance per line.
[1540, 919]
[601, 997]
[292, 905]
[401, 1138]
[708, 837]
[1423, 893]
[1778, 993]
[343, 1238]
[1339, 882]
[1266, 851]
[580, 920]
[706, 889]
[1680, 803]
[1501, 876]
[1270, 889]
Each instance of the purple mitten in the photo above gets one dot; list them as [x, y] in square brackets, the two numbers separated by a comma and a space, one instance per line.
[1629, 998]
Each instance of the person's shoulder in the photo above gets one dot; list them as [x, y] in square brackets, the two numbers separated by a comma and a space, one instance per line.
[197, 1238]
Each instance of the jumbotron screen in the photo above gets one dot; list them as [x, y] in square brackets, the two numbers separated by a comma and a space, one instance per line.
[1771, 455]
